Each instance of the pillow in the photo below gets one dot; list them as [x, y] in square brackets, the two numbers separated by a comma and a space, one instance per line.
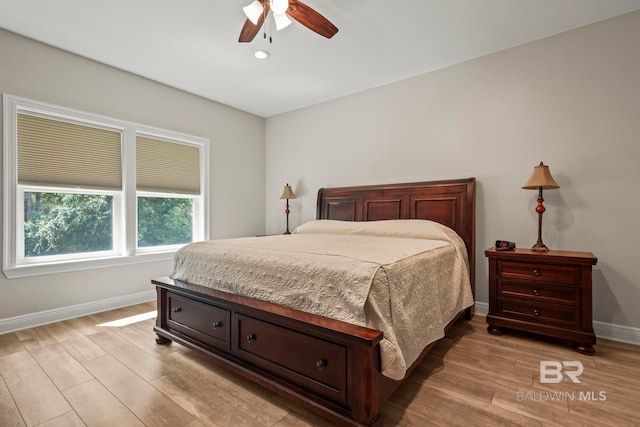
[406, 228]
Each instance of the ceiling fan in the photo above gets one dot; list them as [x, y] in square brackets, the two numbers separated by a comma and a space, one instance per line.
[257, 11]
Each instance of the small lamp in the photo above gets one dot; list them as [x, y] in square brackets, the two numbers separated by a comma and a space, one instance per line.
[540, 178]
[287, 194]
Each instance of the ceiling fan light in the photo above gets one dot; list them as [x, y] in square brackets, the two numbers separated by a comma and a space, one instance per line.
[282, 21]
[279, 7]
[253, 11]
[261, 54]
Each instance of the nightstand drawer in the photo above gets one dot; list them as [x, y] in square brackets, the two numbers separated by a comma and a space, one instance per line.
[540, 313]
[564, 274]
[540, 292]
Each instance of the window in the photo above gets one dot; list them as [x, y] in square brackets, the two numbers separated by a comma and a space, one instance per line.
[167, 180]
[84, 191]
[59, 224]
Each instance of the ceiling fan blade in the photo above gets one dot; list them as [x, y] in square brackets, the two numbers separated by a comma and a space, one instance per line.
[249, 29]
[311, 19]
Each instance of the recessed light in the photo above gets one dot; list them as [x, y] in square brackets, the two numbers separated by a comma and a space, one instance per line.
[261, 54]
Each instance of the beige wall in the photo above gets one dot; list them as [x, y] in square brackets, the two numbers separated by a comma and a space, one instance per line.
[36, 71]
[571, 100]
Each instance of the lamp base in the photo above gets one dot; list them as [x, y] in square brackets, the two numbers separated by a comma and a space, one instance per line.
[539, 247]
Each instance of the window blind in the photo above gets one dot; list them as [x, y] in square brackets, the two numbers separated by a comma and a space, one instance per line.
[57, 153]
[167, 167]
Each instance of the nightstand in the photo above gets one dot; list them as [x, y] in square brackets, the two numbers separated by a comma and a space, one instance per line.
[547, 293]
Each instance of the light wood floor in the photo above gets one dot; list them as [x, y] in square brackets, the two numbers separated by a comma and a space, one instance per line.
[87, 372]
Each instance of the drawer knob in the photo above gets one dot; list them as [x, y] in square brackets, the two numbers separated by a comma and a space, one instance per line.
[177, 310]
[217, 325]
[536, 312]
[251, 337]
[536, 272]
[536, 292]
[321, 364]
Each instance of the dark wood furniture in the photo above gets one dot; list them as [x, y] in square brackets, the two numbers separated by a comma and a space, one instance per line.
[329, 366]
[546, 293]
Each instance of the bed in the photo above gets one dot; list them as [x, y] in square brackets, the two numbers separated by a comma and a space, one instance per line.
[340, 368]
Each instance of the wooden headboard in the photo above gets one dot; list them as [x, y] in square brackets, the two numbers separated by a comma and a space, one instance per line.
[450, 202]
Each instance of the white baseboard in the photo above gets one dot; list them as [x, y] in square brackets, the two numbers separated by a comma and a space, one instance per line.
[26, 321]
[482, 308]
[608, 331]
[614, 332]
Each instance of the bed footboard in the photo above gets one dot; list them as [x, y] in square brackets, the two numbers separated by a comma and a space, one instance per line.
[329, 366]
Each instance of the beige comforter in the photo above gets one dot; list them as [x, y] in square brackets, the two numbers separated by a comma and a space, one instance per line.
[407, 278]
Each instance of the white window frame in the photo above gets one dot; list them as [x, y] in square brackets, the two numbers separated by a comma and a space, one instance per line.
[125, 250]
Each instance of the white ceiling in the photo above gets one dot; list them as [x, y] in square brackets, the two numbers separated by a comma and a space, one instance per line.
[193, 44]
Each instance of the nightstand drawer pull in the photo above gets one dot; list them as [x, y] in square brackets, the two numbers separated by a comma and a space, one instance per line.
[536, 312]
[536, 272]
[321, 364]
[177, 310]
[536, 292]
[217, 325]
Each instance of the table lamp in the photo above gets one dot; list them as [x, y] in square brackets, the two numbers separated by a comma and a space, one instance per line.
[287, 194]
[540, 178]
